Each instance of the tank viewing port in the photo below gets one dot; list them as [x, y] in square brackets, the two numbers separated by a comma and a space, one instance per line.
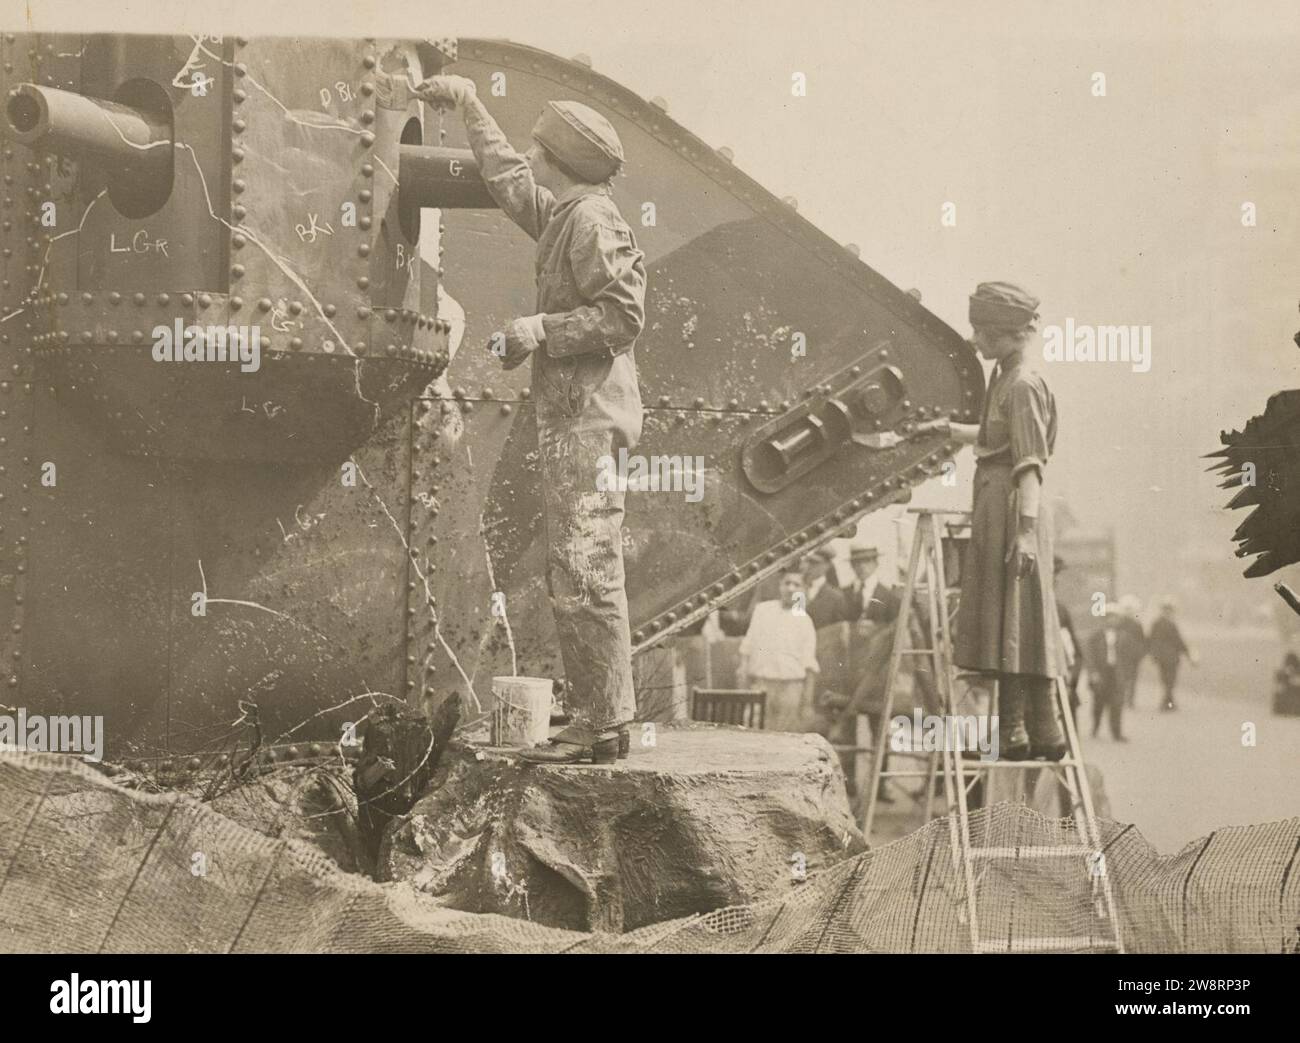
[127, 141]
[140, 188]
[408, 210]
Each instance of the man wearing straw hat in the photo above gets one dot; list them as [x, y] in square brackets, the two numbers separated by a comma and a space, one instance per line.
[590, 310]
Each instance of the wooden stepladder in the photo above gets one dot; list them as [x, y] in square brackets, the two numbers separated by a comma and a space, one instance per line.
[962, 772]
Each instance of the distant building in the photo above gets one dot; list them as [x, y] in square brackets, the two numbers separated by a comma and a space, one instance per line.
[1090, 570]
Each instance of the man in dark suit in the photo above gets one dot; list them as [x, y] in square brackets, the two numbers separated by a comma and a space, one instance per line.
[1105, 665]
[867, 597]
[825, 604]
[1132, 647]
[1166, 646]
[1073, 646]
[872, 607]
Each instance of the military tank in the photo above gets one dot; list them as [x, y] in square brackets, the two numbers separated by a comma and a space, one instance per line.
[187, 531]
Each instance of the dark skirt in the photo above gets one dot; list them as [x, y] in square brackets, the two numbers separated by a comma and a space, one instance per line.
[1006, 624]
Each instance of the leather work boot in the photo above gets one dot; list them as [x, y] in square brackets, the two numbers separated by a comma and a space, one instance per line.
[1046, 739]
[576, 745]
[1014, 738]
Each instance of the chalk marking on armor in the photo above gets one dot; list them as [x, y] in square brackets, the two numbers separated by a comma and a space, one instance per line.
[191, 65]
[118, 131]
[283, 108]
[244, 230]
[505, 617]
[45, 260]
[292, 276]
[428, 592]
[278, 262]
[389, 172]
[252, 604]
[367, 694]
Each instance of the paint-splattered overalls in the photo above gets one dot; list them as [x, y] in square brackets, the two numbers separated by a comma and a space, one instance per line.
[591, 290]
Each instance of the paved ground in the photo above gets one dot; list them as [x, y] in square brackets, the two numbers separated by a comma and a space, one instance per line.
[1185, 773]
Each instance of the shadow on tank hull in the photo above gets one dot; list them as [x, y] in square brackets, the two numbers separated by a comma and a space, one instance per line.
[354, 523]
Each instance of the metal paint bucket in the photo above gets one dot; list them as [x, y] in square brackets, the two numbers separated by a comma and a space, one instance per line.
[521, 710]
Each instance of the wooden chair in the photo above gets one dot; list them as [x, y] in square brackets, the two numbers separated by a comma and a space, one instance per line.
[743, 706]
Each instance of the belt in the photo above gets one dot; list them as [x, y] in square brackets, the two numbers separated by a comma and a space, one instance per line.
[1000, 458]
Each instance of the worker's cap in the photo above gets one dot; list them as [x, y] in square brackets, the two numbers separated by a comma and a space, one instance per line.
[825, 553]
[1003, 306]
[863, 553]
[582, 141]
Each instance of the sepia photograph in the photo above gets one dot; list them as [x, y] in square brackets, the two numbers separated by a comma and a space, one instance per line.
[685, 478]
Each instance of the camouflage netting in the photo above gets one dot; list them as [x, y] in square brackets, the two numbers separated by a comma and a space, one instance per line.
[89, 866]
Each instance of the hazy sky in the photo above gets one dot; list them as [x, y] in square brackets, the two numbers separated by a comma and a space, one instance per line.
[1122, 209]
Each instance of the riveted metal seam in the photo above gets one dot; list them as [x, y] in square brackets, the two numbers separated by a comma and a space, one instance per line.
[705, 159]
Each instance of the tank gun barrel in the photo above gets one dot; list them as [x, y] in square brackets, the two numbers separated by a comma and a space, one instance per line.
[434, 176]
[68, 122]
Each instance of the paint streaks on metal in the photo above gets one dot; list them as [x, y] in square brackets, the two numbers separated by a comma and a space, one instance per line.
[750, 311]
[420, 569]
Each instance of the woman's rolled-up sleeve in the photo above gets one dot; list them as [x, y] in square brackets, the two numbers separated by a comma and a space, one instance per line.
[1030, 421]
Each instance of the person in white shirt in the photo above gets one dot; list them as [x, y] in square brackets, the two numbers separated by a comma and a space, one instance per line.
[778, 655]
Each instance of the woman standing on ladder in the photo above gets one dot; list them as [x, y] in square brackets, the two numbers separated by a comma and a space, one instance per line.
[1006, 620]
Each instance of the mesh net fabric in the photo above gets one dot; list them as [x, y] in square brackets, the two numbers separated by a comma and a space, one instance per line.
[86, 866]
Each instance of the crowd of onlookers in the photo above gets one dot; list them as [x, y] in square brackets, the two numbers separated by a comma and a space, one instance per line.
[785, 620]
[1113, 654]
[780, 628]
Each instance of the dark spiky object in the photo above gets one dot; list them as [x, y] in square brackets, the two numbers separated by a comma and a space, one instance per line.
[1262, 462]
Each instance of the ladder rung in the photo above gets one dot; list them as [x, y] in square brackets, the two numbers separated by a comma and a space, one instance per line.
[1047, 945]
[963, 770]
[1039, 851]
[974, 765]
